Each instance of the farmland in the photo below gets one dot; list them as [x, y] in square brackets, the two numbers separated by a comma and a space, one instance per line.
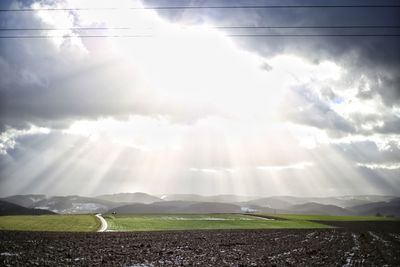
[169, 222]
[208, 240]
[272, 247]
[201, 222]
[64, 223]
[301, 217]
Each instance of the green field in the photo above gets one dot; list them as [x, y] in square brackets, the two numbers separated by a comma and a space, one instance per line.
[164, 222]
[65, 223]
[333, 218]
[201, 221]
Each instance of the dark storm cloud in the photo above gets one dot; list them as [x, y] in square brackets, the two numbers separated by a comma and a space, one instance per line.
[384, 123]
[49, 86]
[368, 152]
[304, 106]
[383, 81]
[45, 88]
[390, 125]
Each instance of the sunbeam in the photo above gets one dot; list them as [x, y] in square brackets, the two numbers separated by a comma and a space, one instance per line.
[162, 102]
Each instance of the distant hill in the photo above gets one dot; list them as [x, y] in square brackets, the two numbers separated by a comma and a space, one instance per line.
[177, 203]
[216, 198]
[26, 201]
[184, 197]
[283, 202]
[348, 201]
[212, 207]
[192, 203]
[143, 208]
[178, 207]
[156, 207]
[7, 208]
[387, 208]
[271, 202]
[75, 204]
[137, 197]
[370, 198]
[364, 199]
[318, 209]
[229, 198]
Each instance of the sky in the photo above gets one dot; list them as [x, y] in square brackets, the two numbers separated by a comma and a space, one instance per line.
[182, 106]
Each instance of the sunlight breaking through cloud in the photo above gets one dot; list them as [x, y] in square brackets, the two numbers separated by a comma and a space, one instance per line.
[190, 109]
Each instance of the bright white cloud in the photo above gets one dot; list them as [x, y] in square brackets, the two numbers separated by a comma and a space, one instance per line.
[387, 166]
[8, 137]
[300, 165]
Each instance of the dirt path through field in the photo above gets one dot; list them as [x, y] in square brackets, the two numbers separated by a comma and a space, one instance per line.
[104, 224]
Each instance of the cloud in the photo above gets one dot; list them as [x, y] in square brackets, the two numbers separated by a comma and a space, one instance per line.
[391, 125]
[52, 82]
[8, 137]
[367, 152]
[300, 166]
[192, 109]
[394, 166]
[112, 84]
[184, 74]
[371, 60]
[305, 107]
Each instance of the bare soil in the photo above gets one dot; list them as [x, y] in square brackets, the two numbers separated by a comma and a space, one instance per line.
[349, 246]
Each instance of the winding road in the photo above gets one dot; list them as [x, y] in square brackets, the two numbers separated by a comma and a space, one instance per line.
[104, 224]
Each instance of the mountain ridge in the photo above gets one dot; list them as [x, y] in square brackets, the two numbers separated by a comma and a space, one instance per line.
[142, 202]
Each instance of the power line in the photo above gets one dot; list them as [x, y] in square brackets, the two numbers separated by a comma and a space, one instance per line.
[229, 35]
[311, 27]
[199, 7]
[313, 35]
[213, 27]
[70, 36]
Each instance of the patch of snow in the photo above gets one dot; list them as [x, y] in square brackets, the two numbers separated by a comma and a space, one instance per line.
[8, 254]
[35, 199]
[395, 236]
[277, 256]
[87, 206]
[310, 235]
[83, 208]
[356, 242]
[247, 209]
[377, 238]
[354, 249]
[330, 238]
[141, 265]
[196, 219]
[263, 218]
[201, 218]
